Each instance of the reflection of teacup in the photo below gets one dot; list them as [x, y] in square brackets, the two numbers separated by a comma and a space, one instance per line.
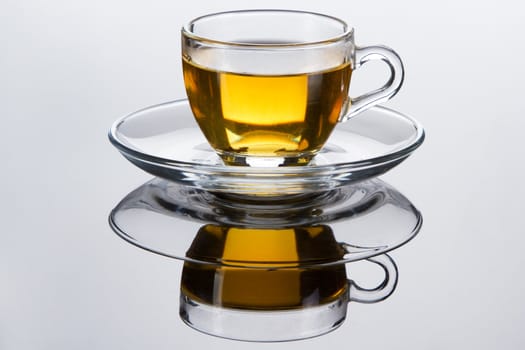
[300, 296]
[268, 86]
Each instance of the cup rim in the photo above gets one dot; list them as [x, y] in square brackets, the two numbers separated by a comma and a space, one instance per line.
[187, 30]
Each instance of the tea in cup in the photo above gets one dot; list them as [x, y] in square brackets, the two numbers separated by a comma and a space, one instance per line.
[267, 87]
[273, 283]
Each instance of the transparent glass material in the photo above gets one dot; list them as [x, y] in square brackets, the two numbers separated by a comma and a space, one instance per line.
[165, 141]
[269, 270]
[278, 323]
[268, 42]
[335, 227]
[271, 85]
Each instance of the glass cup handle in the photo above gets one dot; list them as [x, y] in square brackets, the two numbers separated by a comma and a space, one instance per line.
[384, 93]
[383, 290]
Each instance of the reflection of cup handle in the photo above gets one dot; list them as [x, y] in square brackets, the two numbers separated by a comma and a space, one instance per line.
[384, 93]
[382, 291]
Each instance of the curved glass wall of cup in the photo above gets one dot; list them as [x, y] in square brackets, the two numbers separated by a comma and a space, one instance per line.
[267, 305]
[270, 270]
[352, 222]
[166, 141]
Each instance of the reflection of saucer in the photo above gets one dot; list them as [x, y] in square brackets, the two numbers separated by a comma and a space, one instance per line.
[165, 140]
[366, 219]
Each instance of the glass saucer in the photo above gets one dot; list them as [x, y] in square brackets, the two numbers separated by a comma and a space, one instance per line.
[165, 141]
[310, 230]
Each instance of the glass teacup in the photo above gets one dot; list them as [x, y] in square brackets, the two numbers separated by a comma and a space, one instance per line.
[267, 87]
[273, 283]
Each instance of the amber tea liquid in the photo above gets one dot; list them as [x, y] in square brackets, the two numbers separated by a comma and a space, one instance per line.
[266, 115]
[255, 288]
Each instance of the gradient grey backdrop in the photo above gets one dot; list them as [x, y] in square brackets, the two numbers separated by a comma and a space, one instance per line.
[68, 69]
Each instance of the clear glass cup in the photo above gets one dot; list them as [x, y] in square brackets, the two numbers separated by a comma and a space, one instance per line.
[270, 305]
[267, 87]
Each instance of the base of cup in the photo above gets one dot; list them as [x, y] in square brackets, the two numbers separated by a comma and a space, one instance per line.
[263, 325]
[236, 159]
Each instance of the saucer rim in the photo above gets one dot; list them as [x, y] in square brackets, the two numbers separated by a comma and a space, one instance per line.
[139, 155]
[353, 252]
[357, 256]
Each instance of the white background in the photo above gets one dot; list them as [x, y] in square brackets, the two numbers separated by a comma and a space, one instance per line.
[68, 69]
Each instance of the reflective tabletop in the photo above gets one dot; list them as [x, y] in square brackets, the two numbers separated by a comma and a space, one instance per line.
[67, 281]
